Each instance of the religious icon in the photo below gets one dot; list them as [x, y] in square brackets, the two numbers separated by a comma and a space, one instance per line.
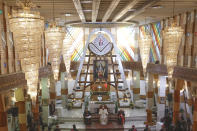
[100, 69]
[100, 42]
[100, 45]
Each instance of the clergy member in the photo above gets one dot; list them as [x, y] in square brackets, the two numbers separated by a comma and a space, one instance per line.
[103, 115]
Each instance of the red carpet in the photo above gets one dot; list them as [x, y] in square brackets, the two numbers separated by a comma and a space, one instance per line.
[111, 126]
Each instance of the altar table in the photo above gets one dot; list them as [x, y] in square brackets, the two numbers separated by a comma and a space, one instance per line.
[94, 106]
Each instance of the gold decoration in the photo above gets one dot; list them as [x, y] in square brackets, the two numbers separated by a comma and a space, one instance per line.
[54, 40]
[19, 95]
[27, 27]
[22, 118]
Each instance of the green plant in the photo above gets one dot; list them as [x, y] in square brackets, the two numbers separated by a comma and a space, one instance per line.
[69, 105]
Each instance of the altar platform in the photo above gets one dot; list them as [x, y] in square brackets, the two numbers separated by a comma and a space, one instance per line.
[75, 116]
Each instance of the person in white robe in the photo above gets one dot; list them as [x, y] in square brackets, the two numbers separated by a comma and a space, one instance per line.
[103, 116]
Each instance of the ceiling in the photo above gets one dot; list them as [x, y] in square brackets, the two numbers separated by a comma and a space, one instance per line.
[72, 11]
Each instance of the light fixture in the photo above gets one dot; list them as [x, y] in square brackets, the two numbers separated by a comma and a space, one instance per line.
[67, 14]
[172, 38]
[27, 26]
[145, 42]
[86, 1]
[87, 10]
[54, 36]
[157, 7]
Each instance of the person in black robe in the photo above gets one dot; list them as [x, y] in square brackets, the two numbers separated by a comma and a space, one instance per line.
[74, 128]
[52, 108]
[87, 116]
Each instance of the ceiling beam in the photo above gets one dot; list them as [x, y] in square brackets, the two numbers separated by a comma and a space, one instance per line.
[125, 10]
[78, 7]
[95, 8]
[111, 8]
[140, 10]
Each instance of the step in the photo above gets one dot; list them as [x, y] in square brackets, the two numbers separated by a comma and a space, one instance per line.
[70, 119]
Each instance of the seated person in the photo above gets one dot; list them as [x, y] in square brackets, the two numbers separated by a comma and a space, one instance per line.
[103, 115]
[121, 117]
[87, 116]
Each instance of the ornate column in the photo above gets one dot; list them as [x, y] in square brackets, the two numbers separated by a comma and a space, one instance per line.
[161, 97]
[20, 103]
[136, 83]
[149, 98]
[45, 99]
[176, 105]
[64, 82]
[3, 115]
[189, 99]
[64, 88]
[136, 74]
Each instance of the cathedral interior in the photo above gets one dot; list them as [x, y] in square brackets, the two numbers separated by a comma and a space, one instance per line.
[98, 65]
